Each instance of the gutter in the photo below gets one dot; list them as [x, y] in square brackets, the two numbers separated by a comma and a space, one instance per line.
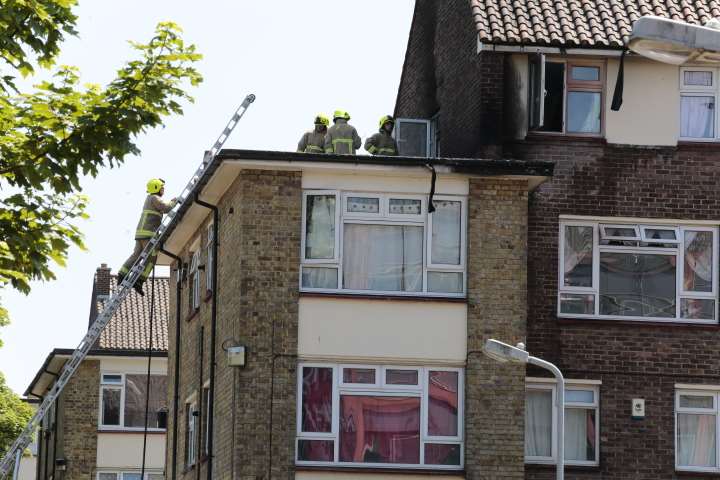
[508, 48]
[176, 384]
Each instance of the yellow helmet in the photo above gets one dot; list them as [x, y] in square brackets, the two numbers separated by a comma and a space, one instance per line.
[385, 119]
[341, 114]
[154, 185]
[321, 119]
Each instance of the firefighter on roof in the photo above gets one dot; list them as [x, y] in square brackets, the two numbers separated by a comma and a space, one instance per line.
[382, 143]
[342, 137]
[314, 142]
[150, 220]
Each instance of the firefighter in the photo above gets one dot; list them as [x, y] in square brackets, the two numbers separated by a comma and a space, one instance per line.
[150, 220]
[342, 137]
[382, 143]
[314, 142]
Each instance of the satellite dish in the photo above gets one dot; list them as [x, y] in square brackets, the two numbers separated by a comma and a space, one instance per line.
[675, 42]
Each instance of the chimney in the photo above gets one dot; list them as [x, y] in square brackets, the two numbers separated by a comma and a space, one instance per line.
[102, 280]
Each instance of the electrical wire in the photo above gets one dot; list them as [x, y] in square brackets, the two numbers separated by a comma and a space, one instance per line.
[149, 364]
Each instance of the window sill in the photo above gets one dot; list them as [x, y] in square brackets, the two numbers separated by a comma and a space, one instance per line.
[208, 296]
[188, 468]
[704, 143]
[385, 471]
[696, 473]
[127, 431]
[406, 298]
[551, 466]
[192, 314]
[577, 321]
[596, 139]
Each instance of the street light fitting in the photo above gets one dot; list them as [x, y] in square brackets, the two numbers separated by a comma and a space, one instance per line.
[676, 42]
[502, 352]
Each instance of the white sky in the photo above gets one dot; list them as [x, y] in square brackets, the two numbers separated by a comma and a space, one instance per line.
[299, 57]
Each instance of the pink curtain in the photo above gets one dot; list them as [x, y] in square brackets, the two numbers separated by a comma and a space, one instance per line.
[443, 404]
[317, 399]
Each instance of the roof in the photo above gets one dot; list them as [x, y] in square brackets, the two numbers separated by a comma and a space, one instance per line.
[577, 23]
[129, 327]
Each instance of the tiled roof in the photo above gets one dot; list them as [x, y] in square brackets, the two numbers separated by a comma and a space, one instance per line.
[129, 328]
[578, 23]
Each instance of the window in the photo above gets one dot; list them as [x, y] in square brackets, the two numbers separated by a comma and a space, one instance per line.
[358, 415]
[638, 271]
[416, 137]
[194, 290]
[129, 476]
[383, 244]
[696, 427]
[210, 259]
[566, 97]
[191, 431]
[698, 97]
[581, 424]
[206, 420]
[123, 398]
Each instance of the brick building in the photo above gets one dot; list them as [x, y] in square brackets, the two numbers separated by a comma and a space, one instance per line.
[94, 431]
[362, 317]
[623, 247]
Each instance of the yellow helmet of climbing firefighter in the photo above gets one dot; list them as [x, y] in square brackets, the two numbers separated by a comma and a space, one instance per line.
[385, 119]
[154, 185]
[321, 119]
[341, 114]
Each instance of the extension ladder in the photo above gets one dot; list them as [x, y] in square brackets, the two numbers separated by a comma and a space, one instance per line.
[93, 333]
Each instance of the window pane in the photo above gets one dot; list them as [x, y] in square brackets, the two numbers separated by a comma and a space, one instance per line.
[379, 429]
[112, 379]
[107, 476]
[697, 117]
[577, 304]
[703, 79]
[320, 227]
[637, 285]
[131, 476]
[401, 377]
[443, 404]
[446, 232]
[659, 234]
[586, 73]
[442, 454]
[622, 232]
[363, 205]
[580, 396]
[359, 375]
[135, 394]
[405, 206]
[412, 141]
[580, 434]
[538, 423]
[111, 406]
[156, 476]
[697, 275]
[696, 440]
[319, 277]
[578, 256]
[316, 450]
[445, 282]
[317, 399]
[697, 308]
[696, 401]
[383, 258]
[554, 97]
[583, 112]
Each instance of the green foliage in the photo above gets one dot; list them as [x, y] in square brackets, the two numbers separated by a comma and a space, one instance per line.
[14, 415]
[52, 136]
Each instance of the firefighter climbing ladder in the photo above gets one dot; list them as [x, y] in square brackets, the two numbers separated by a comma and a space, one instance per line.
[93, 333]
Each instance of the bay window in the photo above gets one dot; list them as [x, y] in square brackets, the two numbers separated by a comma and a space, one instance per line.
[581, 423]
[123, 397]
[696, 425]
[637, 271]
[698, 100]
[377, 416]
[383, 244]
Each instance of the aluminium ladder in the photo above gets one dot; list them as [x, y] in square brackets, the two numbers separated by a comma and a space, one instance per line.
[93, 333]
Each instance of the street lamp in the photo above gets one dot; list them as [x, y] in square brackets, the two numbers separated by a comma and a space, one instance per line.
[675, 42]
[502, 352]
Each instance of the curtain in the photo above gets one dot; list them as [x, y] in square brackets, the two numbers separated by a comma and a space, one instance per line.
[577, 253]
[446, 282]
[383, 258]
[698, 261]
[319, 277]
[538, 424]
[697, 117]
[446, 233]
[320, 227]
[317, 399]
[698, 78]
[583, 112]
[135, 394]
[443, 404]
[696, 440]
[579, 434]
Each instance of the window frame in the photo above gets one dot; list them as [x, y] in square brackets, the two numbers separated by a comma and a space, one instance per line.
[540, 384]
[121, 386]
[194, 282]
[678, 251]
[384, 217]
[700, 391]
[699, 91]
[381, 389]
[210, 233]
[205, 420]
[120, 474]
[191, 406]
[428, 132]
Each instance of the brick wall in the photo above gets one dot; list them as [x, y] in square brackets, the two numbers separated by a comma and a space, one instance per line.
[258, 264]
[497, 307]
[79, 422]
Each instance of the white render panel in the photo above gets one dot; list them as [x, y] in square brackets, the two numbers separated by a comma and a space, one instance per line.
[124, 450]
[382, 331]
[388, 181]
[133, 365]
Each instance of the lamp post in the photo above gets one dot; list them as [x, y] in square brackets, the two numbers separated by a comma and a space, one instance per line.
[502, 352]
[675, 42]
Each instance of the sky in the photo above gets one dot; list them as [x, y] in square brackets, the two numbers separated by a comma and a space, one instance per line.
[300, 57]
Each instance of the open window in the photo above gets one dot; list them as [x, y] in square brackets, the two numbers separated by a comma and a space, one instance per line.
[417, 137]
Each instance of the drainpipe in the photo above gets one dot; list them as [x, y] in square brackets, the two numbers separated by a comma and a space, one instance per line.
[40, 439]
[213, 325]
[176, 392]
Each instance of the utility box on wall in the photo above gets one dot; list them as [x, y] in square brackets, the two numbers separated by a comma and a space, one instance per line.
[638, 408]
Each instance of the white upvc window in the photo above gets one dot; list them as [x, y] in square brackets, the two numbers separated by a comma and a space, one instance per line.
[123, 397]
[383, 244]
[117, 475]
[206, 418]
[696, 428]
[380, 416]
[191, 431]
[638, 271]
[582, 420]
[210, 260]
[194, 298]
[698, 104]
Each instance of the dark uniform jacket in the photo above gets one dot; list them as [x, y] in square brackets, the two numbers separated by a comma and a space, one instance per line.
[342, 138]
[382, 143]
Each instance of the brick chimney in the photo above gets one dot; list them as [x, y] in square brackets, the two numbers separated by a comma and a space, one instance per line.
[102, 280]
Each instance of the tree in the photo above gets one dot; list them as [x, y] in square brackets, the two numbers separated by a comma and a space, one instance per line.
[14, 415]
[52, 136]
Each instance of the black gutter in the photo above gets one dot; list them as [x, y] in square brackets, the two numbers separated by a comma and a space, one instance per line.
[176, 390]
[213, 327]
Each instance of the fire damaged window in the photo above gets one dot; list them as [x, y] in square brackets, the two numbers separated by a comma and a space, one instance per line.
[123, 398]
[633, 271]
[418, 137]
